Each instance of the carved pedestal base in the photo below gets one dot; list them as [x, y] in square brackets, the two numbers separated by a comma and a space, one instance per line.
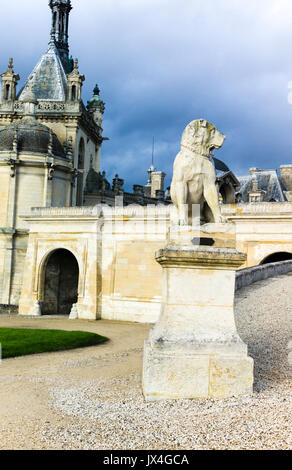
[194, 350]
[189, 375]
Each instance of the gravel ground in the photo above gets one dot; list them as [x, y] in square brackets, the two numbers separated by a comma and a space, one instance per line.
[91, 399]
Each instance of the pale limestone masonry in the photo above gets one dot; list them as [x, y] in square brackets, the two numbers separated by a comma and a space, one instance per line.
[194, 350]
[118, 276]
[129, 279]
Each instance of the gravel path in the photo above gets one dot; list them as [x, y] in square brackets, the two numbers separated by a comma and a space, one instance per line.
[91, 399]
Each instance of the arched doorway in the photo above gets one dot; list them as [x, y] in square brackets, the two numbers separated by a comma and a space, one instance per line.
[60, 283]
[276, 257]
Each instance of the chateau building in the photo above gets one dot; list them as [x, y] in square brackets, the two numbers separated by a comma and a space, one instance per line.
[49, 141]
[64, 247]
[265, 186]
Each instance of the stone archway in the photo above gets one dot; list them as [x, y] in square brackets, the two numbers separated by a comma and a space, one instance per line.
[61, 278]
[276, 257]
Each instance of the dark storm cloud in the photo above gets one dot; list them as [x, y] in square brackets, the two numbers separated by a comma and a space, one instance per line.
[161, 64]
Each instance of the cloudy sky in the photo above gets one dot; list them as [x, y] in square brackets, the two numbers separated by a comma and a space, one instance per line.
[162, 63]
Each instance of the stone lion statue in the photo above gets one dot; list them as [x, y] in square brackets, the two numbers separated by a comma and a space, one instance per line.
[194, 178]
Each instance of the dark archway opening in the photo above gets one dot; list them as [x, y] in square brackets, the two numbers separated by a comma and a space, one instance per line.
[7, 92]
[61, 283]
[276, 257]
[74, 93]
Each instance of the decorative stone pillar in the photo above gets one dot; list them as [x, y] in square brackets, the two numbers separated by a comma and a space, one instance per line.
[9, 83]
[75, 82]
[194, 350]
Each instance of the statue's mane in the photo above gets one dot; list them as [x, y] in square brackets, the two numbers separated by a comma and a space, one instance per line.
[193, 140]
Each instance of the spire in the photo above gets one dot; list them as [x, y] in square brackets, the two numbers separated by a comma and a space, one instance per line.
[60, 30]
[74, 84]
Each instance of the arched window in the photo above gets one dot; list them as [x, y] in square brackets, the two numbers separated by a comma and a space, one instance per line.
[55, 20]
[74, 97]
[81, 153]
[7, 92]
[62, 23]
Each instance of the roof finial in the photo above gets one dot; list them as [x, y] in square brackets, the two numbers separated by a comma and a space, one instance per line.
[96, 90]
[30, 103]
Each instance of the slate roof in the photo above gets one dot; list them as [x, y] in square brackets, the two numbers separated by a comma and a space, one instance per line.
[268, 181]
[31, 137]
[220, 166]
[48, 80]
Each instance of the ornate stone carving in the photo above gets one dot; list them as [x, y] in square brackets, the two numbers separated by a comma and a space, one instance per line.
[194, 176]
[9, 83]
[51, 170]
[18, 106]
[12, 163]
[74, 175]
[51, 106]
[118, 185]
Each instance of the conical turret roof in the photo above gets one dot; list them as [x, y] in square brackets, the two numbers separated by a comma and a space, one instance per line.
[48, 80]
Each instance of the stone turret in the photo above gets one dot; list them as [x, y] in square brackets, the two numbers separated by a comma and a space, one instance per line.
[75, 82]
[9, 83]
[96, 106]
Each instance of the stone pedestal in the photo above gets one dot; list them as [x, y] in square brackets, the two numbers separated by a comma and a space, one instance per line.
[194, 350]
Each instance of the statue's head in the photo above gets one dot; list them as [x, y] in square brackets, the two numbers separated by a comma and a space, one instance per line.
[202, 137]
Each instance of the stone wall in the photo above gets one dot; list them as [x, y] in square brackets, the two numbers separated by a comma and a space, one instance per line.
[115, 249]
[245, 277]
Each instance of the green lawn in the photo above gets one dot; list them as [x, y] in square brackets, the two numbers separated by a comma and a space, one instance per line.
[22, 342]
